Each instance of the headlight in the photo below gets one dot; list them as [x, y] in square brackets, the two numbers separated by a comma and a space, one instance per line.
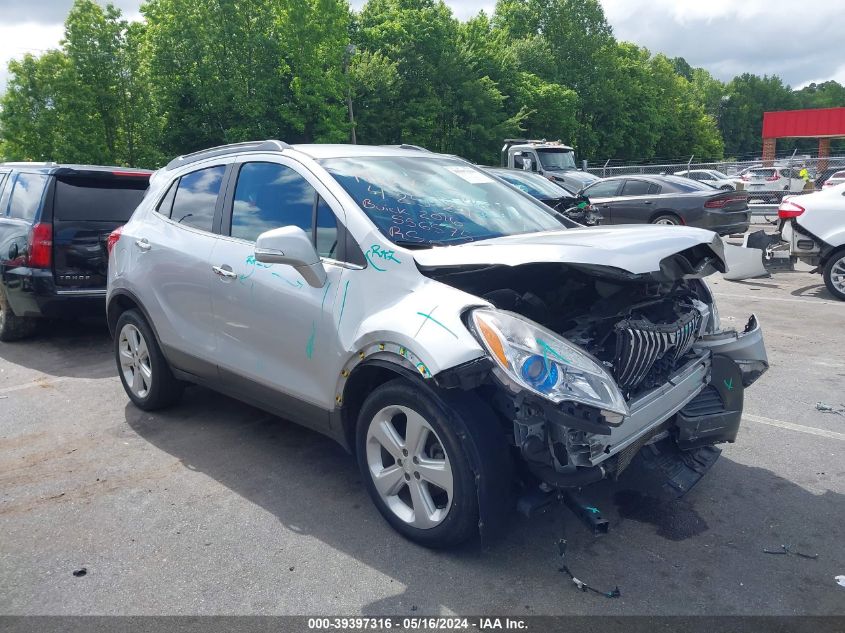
[539, 360]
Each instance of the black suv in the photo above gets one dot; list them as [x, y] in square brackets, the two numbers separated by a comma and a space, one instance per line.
[55, 221]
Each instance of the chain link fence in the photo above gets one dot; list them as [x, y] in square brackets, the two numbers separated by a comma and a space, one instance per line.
[766, 182]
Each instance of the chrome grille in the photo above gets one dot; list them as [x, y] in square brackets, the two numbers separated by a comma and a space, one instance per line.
[641, 343]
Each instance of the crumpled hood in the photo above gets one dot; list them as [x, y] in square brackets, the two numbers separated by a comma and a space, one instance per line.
[634, 248]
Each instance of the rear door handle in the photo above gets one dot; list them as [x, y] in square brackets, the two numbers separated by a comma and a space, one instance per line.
[648, 202]
[224, 271]
[143, 244]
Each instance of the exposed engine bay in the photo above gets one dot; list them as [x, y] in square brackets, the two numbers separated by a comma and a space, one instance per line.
[640, 327]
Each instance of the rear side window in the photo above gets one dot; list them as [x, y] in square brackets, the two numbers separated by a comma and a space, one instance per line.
[27, 192]
[636, 188]
[268, 196]
[97, 199]
[196, 197]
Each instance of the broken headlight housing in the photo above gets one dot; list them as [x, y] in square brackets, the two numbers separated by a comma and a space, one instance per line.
[529, 356]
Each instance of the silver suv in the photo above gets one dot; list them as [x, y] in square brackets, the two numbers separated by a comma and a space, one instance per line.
[464, 341]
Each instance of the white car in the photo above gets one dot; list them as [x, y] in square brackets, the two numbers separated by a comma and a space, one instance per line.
[711, 177]
[771, 183]
[836, 178]
[457, 335]
[814, 227]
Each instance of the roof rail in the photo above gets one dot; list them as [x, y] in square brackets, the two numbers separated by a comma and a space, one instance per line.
[270, 145]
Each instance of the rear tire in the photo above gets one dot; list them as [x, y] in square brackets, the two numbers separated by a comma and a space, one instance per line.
[666, 219]
[407, 443]
[142, 368]
[13, 327]
[834, 275]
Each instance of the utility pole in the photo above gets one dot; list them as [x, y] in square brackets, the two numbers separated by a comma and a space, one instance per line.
[347, 56]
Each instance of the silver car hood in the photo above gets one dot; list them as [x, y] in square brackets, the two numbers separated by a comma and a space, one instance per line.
[636, 249]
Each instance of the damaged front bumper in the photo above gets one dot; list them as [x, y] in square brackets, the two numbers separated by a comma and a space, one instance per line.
[699, 405]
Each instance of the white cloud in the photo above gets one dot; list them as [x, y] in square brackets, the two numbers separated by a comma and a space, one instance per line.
[798, 42]
[17, 40]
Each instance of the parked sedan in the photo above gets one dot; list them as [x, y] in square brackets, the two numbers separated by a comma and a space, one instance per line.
[669, 200]
[836, 178]
[709, 176]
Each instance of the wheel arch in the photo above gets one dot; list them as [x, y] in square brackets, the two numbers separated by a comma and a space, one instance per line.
[119, 302]
[671, 212]
[476, 427]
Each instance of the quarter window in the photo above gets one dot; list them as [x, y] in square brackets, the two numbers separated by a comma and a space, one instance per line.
[325, 233]
[166, 205]
[27, 192]
[196, 197]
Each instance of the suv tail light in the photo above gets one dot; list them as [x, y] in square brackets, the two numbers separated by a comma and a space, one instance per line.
[41, 246]
[773, 177]
[112, 239]
[746, 177]
[789, 209]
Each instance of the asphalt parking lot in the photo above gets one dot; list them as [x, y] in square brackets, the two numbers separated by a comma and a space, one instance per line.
[214, 507]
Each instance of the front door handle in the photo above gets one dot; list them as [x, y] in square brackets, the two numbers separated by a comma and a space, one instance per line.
[648, 202]
[224, 271]
[143, 244]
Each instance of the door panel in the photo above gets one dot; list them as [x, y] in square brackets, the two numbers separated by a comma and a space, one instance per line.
[172, 261]
[273, 328]
[275, 332]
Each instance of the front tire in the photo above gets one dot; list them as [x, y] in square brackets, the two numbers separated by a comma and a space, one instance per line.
[414, 465]
[834, 275]
[143, 370]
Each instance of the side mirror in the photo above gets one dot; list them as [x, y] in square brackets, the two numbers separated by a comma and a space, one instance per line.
[291, 245]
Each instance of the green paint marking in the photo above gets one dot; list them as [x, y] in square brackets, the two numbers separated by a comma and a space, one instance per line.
[385, 255]
[309, 346]
[729, 383]
[296, 284]
[325, 294]
[343, 302]
[431, 318]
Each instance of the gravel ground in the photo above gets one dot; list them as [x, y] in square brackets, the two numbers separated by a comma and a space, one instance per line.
[214, 507]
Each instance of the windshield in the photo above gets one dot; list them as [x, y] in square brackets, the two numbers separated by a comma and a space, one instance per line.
[533, 184]
[685, 185]
[557, 159]
[428, 201]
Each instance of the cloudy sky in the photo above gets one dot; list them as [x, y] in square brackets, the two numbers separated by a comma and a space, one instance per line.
[801, 42]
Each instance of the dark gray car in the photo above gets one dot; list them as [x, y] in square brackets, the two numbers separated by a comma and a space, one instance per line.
[669, 200]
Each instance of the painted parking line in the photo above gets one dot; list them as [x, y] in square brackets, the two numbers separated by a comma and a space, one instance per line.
[810, 430]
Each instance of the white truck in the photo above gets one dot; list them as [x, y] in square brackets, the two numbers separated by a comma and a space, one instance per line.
[551, 159]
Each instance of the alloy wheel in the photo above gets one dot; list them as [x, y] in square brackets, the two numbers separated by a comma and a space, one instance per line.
[135, 361]
[837, 274]
[409, 466]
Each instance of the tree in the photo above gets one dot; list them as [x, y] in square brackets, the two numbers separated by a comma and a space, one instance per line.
[741, 120]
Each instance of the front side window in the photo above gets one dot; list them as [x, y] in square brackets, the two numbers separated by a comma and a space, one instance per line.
[268, 196]
[196, 197]
[27, 192]
[428, 201]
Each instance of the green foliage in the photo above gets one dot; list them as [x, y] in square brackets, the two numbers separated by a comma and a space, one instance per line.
[198, 73]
